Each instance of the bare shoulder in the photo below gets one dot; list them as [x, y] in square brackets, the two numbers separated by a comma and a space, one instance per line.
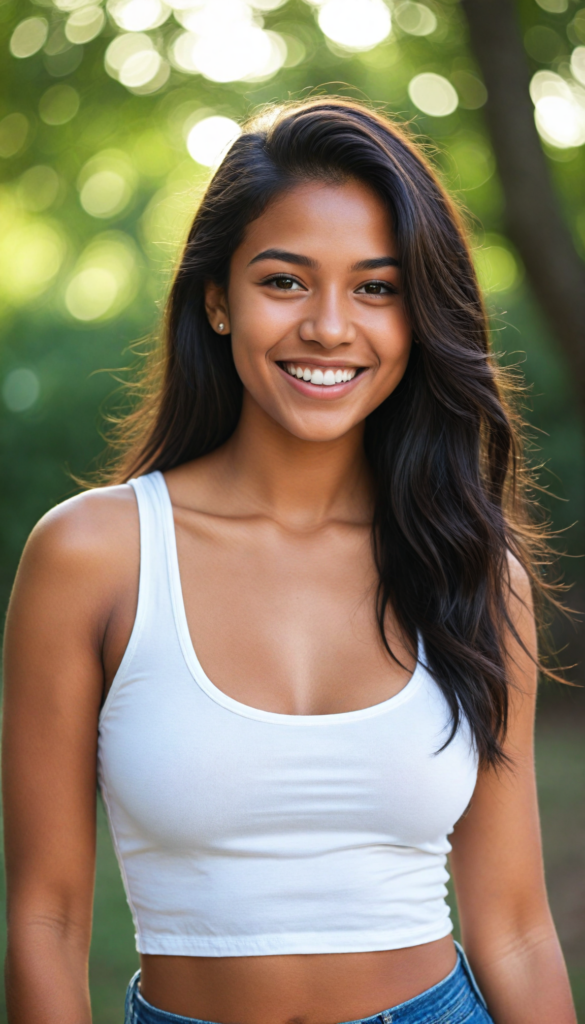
[78, 572]
[89, 542]
[97, 523]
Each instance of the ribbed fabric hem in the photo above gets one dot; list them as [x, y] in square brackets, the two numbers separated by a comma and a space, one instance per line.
[301, 942]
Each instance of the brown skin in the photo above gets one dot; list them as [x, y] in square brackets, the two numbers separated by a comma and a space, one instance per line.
[273, 540]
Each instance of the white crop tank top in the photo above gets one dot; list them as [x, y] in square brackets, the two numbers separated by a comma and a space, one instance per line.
[242, 832]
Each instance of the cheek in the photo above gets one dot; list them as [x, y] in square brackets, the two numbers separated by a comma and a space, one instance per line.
[258, 324]
[255, 322]
[394, 347]
[261, 322]
[248, 342]
[253, 337]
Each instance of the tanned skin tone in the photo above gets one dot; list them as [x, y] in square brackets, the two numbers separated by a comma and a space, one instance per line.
[278, 580]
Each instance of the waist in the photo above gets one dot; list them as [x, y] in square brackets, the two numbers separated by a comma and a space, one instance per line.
[455, 997]
[308, 988]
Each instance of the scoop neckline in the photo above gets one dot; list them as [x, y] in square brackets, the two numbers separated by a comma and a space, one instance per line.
[230, 703]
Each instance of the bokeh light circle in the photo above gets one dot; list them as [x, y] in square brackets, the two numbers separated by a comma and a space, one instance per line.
[210, 138]
[21, 389]
[433, 94]
[496, 266]
[85, 24]
[104, 194]
[59, 104]
[355, 24]
[29, 37]
[415, 19]
[106, 183]
[122, 48]
[560, 122]
[548, 83]
[140, 68]
[578, 63]
[31, 254]
[228, 56]
[554, 6]
[225, 42]
[105, 280]
[91, 293]
[267, 5]
[275, 59]
[138, 15]
[70, 5]
[182, 52]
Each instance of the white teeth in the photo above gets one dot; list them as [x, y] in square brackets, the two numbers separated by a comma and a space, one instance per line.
[319, 376]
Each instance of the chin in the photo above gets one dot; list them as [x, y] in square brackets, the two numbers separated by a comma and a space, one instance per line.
[317, 433]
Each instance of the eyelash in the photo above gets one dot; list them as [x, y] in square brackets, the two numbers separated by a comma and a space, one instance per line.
[281, 277]
[390, 289]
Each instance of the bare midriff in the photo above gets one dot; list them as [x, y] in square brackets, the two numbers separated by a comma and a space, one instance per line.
[324, 988]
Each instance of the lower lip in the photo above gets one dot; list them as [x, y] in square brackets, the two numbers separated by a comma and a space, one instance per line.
[322, 391]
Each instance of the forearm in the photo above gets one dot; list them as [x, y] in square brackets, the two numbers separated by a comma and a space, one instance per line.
[46, 974]
[526, 981]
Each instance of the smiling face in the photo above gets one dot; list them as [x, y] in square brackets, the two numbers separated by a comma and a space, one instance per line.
[314, 305]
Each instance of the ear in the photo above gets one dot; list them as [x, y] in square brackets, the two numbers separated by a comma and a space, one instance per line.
[216, 307]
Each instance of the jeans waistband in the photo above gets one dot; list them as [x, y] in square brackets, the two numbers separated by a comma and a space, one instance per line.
[456, 998]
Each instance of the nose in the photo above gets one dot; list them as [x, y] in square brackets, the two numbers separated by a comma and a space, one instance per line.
[329, 322]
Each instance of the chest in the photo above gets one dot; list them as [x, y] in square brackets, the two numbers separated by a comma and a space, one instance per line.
[287, 622]
[189, 771]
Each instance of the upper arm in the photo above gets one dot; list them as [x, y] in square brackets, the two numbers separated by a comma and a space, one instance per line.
[66, 587]
[497, 856]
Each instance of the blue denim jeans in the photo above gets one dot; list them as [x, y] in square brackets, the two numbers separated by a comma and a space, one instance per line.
[455, 1000]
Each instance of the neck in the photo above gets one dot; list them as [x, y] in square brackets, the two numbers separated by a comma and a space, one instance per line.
[297, 482]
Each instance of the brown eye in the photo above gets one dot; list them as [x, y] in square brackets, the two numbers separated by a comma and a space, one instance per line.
[283, 282]
[377, 288]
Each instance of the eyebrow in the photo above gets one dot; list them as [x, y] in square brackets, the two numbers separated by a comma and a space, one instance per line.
[307, 261]
[375, 264]
[285, 257]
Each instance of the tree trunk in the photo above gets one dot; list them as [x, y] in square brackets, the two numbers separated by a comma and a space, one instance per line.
[533, 218]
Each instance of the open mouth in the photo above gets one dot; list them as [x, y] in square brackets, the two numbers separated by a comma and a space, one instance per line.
[323, 377]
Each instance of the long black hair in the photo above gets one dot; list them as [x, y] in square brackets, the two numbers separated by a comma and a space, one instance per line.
[449, 510]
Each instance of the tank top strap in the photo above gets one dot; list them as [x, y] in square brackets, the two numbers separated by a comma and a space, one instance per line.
[154, 612]
[156, 541]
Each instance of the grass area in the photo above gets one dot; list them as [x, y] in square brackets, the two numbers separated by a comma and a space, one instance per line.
[560, 762]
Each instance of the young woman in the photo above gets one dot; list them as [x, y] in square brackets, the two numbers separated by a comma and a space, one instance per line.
[293, 639]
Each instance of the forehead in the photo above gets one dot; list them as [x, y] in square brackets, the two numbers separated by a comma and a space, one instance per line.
[324, 220]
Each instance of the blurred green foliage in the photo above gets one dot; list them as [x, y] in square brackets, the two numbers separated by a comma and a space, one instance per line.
[98, 188]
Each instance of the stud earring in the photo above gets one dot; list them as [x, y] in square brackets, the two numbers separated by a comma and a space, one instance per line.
[220, 327]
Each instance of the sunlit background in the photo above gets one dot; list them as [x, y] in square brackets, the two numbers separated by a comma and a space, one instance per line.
[112, 118]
